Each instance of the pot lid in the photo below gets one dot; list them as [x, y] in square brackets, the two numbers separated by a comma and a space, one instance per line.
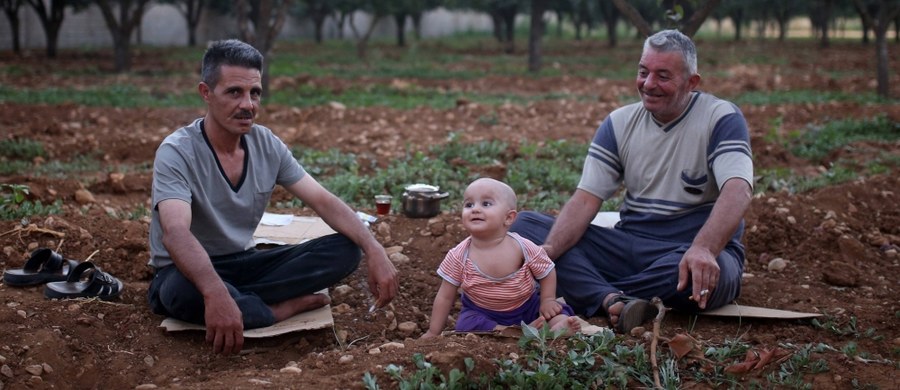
[419, 187]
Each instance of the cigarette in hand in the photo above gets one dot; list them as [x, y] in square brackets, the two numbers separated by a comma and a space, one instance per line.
[703, 293]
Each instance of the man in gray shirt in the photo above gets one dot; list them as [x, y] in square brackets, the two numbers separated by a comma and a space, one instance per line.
[683, 157]
[212, 181]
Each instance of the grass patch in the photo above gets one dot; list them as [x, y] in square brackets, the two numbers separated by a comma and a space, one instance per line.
[544, 175]
[820, 140]
[124, 96]
[404, 98]
[806, 96]
[21, 149]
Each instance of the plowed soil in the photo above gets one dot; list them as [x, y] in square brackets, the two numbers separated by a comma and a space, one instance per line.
[838, 244]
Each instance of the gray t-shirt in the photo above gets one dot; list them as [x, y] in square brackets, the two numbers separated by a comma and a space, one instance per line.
[223, 218]
[672, 172]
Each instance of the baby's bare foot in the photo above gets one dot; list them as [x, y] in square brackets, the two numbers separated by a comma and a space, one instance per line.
[538, 323]
[570, 324]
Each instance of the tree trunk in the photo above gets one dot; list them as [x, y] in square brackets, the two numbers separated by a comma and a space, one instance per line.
[497, 24]
[400, 21]
[509, 22]
[194, 9]
[880, 24]
[12, 13]
[51, 21]
[693, 24]
[611, 18]
[634, 17]
[417, 25]
[318, 25]
[826, 17]
[882, 62]
[121, 53]
[559, 23]
[264, 29]
[362, 41]
[122, 27]
[534, 36]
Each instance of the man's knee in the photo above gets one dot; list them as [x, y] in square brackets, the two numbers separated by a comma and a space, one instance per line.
[532, 225]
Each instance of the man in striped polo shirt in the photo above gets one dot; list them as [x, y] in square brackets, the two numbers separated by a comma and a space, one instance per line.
[684, 159]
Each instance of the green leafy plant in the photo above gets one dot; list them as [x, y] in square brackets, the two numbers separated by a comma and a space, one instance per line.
[426, 376]
[790, 373]
[820, 140]
[15, 205]
[21, 149]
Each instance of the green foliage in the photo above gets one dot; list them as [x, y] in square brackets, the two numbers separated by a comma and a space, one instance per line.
[544, 175]
[21, 149]
[848, 328]
[759, 98]
[602, 360]
[324, 163]
[15, 205]
[783, 179]
[790, 373]
[110, 96]
[818, 141]
[426, 376]
[138, 212]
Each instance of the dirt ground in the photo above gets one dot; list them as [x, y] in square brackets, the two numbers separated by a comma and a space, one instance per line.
[839, 244]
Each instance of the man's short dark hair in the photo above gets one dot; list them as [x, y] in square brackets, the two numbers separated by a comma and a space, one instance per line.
[230, 52]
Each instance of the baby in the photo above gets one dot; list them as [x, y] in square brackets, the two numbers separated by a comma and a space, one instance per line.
[498, 271]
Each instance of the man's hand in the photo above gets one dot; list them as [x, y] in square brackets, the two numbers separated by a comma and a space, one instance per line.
[701, 266]
[383, 279]
[224, 324]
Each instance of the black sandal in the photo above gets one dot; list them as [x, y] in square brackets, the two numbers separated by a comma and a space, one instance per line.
[98, 284]
[636, 312]
[43, 266]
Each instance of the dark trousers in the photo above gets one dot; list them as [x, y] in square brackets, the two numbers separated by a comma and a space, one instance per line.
[258, 278]
[610, 260]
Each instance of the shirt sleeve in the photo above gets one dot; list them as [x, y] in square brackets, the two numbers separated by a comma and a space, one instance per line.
[602, 173]
[536, 259]
[729, 151]
[451, 269]
[169, 180]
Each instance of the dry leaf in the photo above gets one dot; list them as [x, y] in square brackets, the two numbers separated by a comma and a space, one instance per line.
[681, 345]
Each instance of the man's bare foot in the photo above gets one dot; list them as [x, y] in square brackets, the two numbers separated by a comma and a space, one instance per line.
[570, 324]
[626, 312]
[612, 312]
[303, 303]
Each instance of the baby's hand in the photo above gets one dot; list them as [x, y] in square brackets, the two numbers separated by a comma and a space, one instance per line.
[428, 335]
[550, 308]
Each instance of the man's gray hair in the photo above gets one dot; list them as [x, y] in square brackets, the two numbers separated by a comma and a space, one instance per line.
[230, 52]
[673, 40]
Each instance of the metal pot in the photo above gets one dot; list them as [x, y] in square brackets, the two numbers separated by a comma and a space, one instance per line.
[422, 200]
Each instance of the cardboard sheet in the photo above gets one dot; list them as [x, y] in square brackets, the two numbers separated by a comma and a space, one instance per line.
[733, 310]
[280, 229]
[300, 229]
[315, 319]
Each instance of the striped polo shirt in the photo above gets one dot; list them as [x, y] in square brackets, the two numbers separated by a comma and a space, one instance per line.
[672, 172]
[498, 294]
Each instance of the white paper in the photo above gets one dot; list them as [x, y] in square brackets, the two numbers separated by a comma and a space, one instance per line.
[271, 219]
